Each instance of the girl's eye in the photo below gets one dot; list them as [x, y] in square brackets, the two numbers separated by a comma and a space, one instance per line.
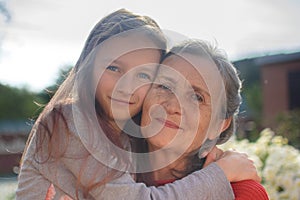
[113, 68]
[144, 76]
[197, 97]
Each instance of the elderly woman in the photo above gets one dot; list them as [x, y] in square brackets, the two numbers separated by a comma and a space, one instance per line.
[191, 107]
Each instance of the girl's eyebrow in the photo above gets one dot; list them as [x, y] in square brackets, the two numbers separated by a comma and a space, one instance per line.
[146, 69]
[166, 77]
[118, 62]
[111, 60]
[121, 63]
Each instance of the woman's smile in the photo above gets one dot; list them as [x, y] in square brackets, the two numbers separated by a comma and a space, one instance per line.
[168, 123]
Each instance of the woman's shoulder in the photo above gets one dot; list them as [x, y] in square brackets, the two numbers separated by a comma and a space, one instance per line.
[249, 189]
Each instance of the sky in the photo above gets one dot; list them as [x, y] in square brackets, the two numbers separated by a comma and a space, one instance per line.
[39, 37]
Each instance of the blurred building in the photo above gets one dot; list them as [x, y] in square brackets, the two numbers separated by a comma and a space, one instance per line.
[13, 136]
[278, 79]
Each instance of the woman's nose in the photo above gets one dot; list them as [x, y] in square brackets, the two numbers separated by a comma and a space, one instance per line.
[172, 105]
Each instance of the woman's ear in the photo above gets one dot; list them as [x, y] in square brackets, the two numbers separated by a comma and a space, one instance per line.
[226, 123]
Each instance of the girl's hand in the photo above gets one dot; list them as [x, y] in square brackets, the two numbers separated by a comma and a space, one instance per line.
[51, 193]
[237, 166]
[213, 156]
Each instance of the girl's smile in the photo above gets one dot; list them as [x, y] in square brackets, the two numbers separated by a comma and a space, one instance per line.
[121, 102]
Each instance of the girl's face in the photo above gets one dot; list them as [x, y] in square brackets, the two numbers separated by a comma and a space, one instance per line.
[125, 82]
[178, 104]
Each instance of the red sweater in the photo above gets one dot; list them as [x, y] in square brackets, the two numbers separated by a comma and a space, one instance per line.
[243, 190]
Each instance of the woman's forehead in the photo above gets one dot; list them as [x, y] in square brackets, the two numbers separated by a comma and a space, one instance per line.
[197, 70]
[177, 68]
[190, 62]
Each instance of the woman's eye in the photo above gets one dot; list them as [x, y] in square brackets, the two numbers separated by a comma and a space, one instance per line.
[164, 87]
[197, 97]
[113, 68]
[144, 76]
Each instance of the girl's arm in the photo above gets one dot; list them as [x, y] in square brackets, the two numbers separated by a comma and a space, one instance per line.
[35, 179]
[77, 168]
[209, 183]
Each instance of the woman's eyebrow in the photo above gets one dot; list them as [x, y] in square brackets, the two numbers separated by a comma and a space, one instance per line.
[199, 89]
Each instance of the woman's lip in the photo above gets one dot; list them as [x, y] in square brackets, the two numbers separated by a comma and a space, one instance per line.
[168, 123]
[121, 101]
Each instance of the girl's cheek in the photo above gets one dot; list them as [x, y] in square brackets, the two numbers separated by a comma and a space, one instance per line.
[143, 91]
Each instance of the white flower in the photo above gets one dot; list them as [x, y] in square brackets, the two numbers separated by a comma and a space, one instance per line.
[278, 163]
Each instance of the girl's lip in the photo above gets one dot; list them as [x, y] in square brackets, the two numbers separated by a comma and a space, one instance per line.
[168, 123]
[121, 101]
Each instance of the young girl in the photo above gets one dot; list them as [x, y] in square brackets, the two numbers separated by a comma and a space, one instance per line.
[199, 91]
[76, 143]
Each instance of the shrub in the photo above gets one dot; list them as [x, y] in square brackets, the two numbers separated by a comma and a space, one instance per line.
[277, 162]
[288, 125]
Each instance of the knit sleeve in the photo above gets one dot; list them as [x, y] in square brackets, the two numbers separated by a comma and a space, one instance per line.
[249, 189]
[35, 179]
[208, 183]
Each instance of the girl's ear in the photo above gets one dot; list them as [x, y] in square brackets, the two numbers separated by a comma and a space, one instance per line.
[226, 123]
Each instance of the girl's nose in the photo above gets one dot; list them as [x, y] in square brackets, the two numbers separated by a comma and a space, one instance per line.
[126, 85]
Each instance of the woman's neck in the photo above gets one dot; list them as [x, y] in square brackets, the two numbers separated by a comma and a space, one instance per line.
[169, 171]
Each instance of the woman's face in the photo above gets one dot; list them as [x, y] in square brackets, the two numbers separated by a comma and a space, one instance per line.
[125, 82]
[178, 105]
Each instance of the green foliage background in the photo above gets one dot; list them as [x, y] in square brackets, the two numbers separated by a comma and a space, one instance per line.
[21, 103]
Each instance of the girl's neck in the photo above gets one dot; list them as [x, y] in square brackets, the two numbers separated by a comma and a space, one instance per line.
[117, 125]
[169, 171]
[113, 131]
